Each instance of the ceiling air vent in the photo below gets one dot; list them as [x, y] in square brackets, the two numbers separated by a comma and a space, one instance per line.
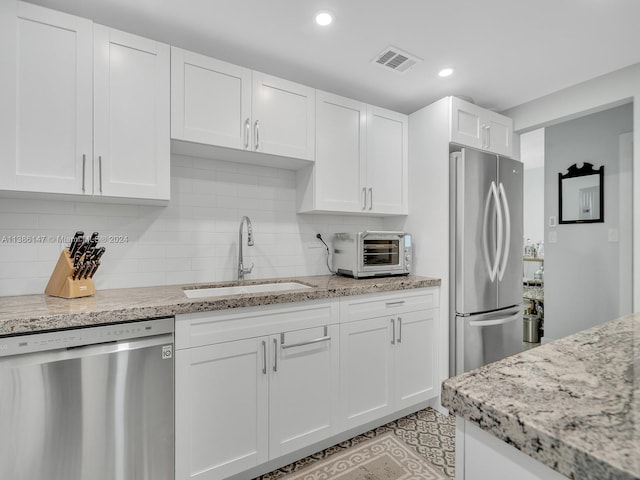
[396, 59]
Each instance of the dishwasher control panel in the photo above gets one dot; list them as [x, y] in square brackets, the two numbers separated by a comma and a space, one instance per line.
[77, 337]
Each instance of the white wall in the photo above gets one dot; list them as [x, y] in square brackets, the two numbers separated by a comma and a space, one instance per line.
[582, 270]
[193, 239]
[592, 96]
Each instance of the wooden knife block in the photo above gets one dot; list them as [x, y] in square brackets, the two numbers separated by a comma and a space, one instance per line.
[61, 283]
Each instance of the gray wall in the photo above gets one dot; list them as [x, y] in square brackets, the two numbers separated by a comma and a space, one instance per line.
[582, 269]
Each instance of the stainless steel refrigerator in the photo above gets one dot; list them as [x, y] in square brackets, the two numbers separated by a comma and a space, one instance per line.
[486, 260]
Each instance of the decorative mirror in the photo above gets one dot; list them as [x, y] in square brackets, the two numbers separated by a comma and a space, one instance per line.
[582, 194]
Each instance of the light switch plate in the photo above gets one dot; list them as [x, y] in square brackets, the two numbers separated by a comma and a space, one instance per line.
[553, 237]
[553, 222]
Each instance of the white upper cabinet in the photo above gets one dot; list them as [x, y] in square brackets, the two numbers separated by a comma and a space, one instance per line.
[387, 159]
[210, 100]
[339, 175]
[55, 139]
[283, 115]
[219, 104]
[480, 128]
[131, 116]
[47, 119]
[361, 160]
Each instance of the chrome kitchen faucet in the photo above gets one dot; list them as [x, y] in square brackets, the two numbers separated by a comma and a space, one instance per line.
[241, 269]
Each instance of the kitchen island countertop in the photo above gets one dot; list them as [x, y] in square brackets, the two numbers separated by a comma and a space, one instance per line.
[572, 404]
[33, 313]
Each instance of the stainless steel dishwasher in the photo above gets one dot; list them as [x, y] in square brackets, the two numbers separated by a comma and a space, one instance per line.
[93, 403]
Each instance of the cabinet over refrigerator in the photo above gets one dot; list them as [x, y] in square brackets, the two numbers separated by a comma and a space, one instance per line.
[486, 262]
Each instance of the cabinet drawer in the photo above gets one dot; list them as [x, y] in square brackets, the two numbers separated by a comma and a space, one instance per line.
[377, 305]
[207, 328]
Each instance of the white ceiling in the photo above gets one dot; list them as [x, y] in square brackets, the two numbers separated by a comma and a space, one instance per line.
[506, 52]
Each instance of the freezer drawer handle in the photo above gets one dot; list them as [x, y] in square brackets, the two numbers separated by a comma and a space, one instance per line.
[325, 338]
[497, 321]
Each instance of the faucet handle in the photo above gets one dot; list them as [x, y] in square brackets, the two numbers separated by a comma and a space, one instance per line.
[248, 270]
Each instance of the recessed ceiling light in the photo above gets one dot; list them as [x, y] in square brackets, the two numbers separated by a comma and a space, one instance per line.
[445, 72]
[324, 18]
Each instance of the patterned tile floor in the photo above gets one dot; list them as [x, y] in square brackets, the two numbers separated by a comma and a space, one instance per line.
[430, 433]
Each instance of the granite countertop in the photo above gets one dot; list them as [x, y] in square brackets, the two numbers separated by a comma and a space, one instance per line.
[573, 404]
[31, 313]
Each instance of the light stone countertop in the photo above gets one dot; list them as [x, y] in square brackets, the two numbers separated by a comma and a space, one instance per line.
[572, 404]
[32, 313]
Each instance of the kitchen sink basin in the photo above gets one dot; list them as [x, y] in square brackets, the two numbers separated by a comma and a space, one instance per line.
[240, 289]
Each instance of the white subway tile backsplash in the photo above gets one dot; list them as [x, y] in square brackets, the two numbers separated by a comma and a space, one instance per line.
[193, 239]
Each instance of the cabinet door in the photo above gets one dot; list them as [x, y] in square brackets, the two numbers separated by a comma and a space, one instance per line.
[499, 134]
[131, 112]
[415, 357]
[210, 100]
[480, 128]
[340, 175]
[221, 409]
[366, 371]
[466, 123]
[283, 117]
[303, 389]
[386, 161]
[47, 142]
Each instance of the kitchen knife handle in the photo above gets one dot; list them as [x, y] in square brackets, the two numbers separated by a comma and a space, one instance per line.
[100, 171]
[84, 167]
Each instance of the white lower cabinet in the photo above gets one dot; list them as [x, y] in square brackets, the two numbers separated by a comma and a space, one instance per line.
[303, 405]
[256, 384]
[221, 409]
[243, 402]
[387, 363]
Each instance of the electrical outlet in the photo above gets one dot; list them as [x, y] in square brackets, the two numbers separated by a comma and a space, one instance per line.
[553, 237]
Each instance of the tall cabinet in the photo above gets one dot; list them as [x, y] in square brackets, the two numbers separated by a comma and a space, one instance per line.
[87, 107]
[432, 131]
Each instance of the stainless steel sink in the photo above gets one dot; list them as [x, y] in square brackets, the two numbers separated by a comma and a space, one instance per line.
[240, 289]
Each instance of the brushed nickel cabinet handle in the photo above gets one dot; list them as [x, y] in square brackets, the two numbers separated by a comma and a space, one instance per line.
[275, 355]
[399, 330]
[84, 168]
[364, 198]
[247, 133]
[324, 338]
[370, 198]
[257, 128]
[488, 135]
[100, 171]
[393, 331]
[264, 357]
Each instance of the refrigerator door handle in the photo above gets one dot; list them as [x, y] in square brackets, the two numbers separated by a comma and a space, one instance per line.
[493, 269]
[507, 230]
[497, 321]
